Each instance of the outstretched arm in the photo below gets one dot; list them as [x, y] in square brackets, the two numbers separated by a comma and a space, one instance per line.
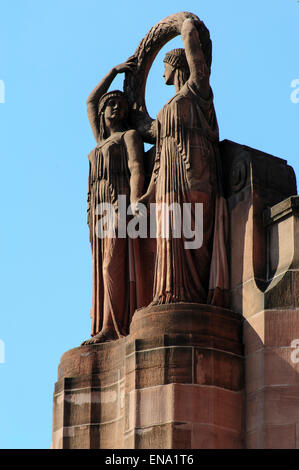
[199, 71]
[102, 88]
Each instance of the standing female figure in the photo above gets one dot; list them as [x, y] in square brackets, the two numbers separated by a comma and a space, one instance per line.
[115, 169]
[187, 171]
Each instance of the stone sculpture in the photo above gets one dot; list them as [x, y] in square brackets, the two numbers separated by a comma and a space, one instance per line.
[115, 168]
[190, 374]
[186, 173]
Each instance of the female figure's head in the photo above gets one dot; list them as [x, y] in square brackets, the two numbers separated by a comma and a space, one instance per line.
[176, 68]
[112, 113]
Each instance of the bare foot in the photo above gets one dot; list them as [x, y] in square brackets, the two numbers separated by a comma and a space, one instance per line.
[154, 303]
[102, 337]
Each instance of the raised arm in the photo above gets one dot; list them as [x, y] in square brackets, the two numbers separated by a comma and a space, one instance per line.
[199, 71]
[93, 101]
[102, 88]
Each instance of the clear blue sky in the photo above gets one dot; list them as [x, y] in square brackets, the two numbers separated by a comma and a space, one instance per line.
[52, 55]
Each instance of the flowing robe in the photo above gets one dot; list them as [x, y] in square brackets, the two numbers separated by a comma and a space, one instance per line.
[187, 170]
[113, 286]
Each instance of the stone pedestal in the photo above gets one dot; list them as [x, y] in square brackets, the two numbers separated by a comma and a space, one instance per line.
[89, 398]
[176, 382]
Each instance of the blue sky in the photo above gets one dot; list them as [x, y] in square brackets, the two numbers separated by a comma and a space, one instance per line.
[52, 55]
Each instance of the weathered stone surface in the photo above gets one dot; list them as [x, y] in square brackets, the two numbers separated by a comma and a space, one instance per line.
[253, 182]
[177, 380]
[157, 387]
[272, 379]
[213, 323]
[213, 437]
[264, 220]
[280, 437]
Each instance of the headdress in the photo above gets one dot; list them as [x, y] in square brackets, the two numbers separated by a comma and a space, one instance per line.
[177, 59]
[103, 100]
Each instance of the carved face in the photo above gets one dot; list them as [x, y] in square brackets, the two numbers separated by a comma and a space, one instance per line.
[116, 109]
[168, 74]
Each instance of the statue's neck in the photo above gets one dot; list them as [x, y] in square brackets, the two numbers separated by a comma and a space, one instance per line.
[177, 83]
[112, 128]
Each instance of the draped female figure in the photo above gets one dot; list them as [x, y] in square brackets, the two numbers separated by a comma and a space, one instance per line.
[187, 172]
[115, 169]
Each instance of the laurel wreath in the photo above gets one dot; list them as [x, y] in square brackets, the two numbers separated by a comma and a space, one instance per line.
[147, 50]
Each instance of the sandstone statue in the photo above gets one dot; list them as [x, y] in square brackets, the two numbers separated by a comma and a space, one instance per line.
[187, 167]
[115, 168]
[185, 174]
[193, 365]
